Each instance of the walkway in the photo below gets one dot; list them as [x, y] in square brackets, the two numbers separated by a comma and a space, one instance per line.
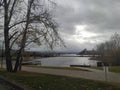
[91, 74]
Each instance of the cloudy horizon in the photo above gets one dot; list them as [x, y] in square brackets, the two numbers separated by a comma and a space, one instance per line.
[85, 23]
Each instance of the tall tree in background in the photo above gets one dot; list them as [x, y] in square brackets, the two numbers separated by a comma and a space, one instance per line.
[26, 22]
[111, 49]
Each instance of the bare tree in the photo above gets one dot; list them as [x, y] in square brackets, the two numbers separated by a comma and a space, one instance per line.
[26, 22]
[111, 49]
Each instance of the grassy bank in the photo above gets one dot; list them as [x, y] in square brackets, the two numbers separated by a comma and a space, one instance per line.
[51, 67]
[35, 81]
[115, 69]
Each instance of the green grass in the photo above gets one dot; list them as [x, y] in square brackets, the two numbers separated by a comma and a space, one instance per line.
[2, 87]
[115, 69]
[35, 81]
[99, 68]
[65, 68]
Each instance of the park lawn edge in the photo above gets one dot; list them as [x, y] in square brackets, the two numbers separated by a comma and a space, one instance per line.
[115, 69]
[25, 78]
[51, 67]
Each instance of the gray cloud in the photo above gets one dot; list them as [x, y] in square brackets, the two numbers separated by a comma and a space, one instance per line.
[101, 17]
[102, 14]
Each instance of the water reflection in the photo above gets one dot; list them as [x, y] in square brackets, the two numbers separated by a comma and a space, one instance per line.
[66, 61]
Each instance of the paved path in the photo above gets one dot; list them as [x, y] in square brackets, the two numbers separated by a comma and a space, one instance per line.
[91, 74]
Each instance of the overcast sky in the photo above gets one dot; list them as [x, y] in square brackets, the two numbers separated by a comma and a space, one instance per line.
[85, 23]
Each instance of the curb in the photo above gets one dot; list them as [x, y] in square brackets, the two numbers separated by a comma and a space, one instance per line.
[11, 84]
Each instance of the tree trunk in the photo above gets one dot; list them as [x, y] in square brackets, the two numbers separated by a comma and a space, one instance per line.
[17, 64]
[6, 37]
[21, 59]
[22, 46]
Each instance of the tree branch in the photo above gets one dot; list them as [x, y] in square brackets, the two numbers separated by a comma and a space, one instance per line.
[1, 3]
[13, 35]
[11, 11]
[17, 24]
[15, 40]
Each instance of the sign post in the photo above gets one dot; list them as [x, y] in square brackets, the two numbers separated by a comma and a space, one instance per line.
[105, 68]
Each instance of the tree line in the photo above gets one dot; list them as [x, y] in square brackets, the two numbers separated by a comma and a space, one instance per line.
[110, 50]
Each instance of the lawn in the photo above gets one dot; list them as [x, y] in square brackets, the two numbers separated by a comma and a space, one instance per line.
[51, 67]
[115, 69]
[99, 68]
[35, 81]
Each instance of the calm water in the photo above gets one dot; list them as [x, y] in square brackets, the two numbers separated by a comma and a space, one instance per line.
[66, 61]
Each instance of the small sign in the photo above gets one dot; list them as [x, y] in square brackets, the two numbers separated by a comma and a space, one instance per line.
[105, 69]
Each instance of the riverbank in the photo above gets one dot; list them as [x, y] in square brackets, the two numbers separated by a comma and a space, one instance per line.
[92, 74]
[104, 59]
[115, 69]
[37, 81]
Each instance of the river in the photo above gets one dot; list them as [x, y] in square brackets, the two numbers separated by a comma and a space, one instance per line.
[66, 61]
